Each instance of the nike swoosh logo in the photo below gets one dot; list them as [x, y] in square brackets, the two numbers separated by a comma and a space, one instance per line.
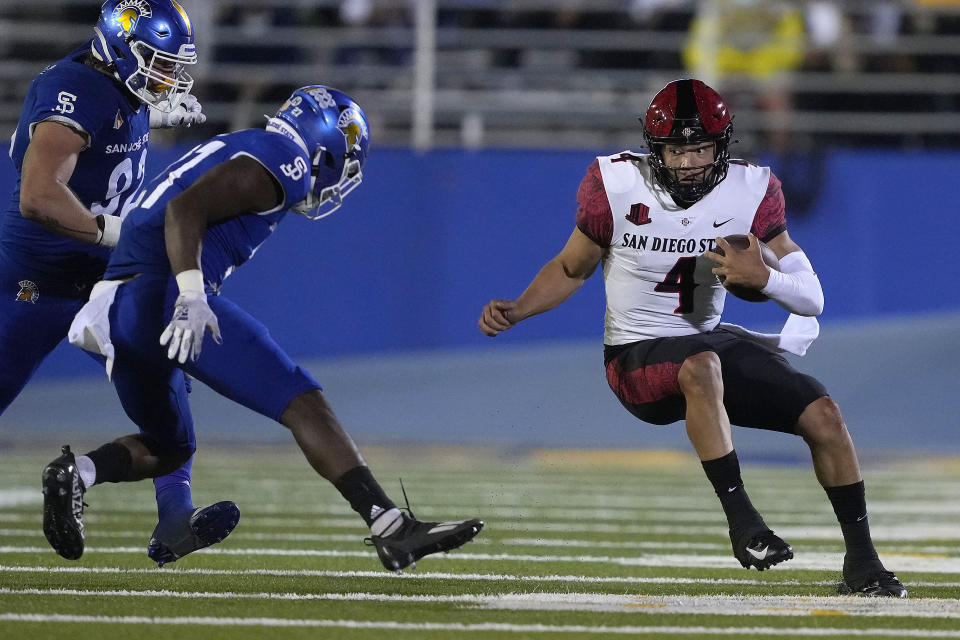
[720, 224]
[759, 555]
[731, 489]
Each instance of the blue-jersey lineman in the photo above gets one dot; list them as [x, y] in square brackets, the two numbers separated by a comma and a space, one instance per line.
[193, 227]
[53, 273]
[80, 151]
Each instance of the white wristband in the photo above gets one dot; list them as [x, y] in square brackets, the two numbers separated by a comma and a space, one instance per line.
[795, 287]
[110, 233]
[190, 280]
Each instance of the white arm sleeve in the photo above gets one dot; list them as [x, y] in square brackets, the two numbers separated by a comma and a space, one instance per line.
[796, 286]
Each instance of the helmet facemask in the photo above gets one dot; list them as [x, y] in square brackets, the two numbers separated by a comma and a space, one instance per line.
[315, 207]
[161, 76]
[690, 184]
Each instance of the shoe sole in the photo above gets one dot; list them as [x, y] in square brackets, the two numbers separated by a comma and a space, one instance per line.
[214, 523]
[211, 525]
[844, 589]
[61, 531]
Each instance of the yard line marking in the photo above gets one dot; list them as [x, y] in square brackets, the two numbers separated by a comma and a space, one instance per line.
[486, 626]
[437, 575]
[819, 561]
[338, 537]
[238, 536]
[19, 497]
[915, 531]
[803, 514]
[687, 605]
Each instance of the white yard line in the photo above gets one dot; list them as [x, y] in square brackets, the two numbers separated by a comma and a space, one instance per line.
[819, 561]
[19, 497]
[640, 509]
[917, 530]
[437, 575]
[486, 626]
[594, 602]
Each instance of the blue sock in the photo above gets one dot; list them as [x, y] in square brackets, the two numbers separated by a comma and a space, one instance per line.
[173, 492]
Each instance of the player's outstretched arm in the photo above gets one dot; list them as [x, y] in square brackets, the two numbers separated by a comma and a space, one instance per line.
[555, 282]
[45, 198]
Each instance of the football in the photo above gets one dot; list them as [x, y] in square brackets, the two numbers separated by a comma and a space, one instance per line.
[740, 242]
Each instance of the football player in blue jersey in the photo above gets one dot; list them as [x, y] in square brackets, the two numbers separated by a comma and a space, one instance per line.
[80, 151]
[190, 229]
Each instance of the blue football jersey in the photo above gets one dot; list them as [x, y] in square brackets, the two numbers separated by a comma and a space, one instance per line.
[227, 244]
[108, 172]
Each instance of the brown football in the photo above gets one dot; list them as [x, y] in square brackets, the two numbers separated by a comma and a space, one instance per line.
[740, 242]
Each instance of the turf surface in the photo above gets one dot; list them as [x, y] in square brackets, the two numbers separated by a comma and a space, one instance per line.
[576, 545]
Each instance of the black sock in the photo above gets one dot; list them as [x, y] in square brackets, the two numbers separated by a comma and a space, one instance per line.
[364, 493]
[112, 462]
[724, 475]
[850, 504]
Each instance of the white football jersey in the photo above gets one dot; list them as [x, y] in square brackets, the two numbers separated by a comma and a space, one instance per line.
[657, 281]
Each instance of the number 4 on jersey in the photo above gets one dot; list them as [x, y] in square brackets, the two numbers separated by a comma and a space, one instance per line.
[680, 280]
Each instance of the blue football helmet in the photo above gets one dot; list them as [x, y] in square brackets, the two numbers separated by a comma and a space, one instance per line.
[334, 132]
[146, 44]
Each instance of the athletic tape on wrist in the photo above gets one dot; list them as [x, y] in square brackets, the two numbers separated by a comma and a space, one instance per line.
[190, 280]
[108, 230]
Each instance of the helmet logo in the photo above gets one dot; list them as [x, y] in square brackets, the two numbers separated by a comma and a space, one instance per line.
[128, 13]
[353, 126]
[323, 97]
[686, 132]
[29, 292]
[293, 102]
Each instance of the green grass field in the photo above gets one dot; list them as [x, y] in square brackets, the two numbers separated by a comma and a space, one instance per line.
[576, 545]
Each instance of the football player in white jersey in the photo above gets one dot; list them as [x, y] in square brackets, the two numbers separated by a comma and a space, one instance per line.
[652, 221]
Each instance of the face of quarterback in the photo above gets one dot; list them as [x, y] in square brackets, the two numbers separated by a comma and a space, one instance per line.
[690, 162]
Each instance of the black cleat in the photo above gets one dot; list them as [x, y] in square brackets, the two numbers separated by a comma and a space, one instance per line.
[415, 539]
[173, 539]
[63, 505]
[761, 550]
[876, 583]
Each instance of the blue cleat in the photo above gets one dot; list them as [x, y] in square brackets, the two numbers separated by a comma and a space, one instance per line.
[175, 538]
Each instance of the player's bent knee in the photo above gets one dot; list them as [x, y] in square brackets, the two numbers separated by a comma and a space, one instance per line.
[166, 459]
[700, 373]
[822, 421]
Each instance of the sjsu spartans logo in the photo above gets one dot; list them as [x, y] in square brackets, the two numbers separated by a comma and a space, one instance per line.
[29, 292]
[353, 127]
[128, 12]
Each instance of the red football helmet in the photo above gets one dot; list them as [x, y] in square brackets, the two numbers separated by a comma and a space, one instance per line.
[688, 112]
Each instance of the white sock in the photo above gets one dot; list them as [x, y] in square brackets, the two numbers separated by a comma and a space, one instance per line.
[88, 472]
[387, 522]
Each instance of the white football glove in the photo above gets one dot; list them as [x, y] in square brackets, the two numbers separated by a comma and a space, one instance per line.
[186, 113]
[191, 318]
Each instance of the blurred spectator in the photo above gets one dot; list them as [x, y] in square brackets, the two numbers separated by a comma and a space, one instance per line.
[261, 46]
[750, 48]
[367, 13]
